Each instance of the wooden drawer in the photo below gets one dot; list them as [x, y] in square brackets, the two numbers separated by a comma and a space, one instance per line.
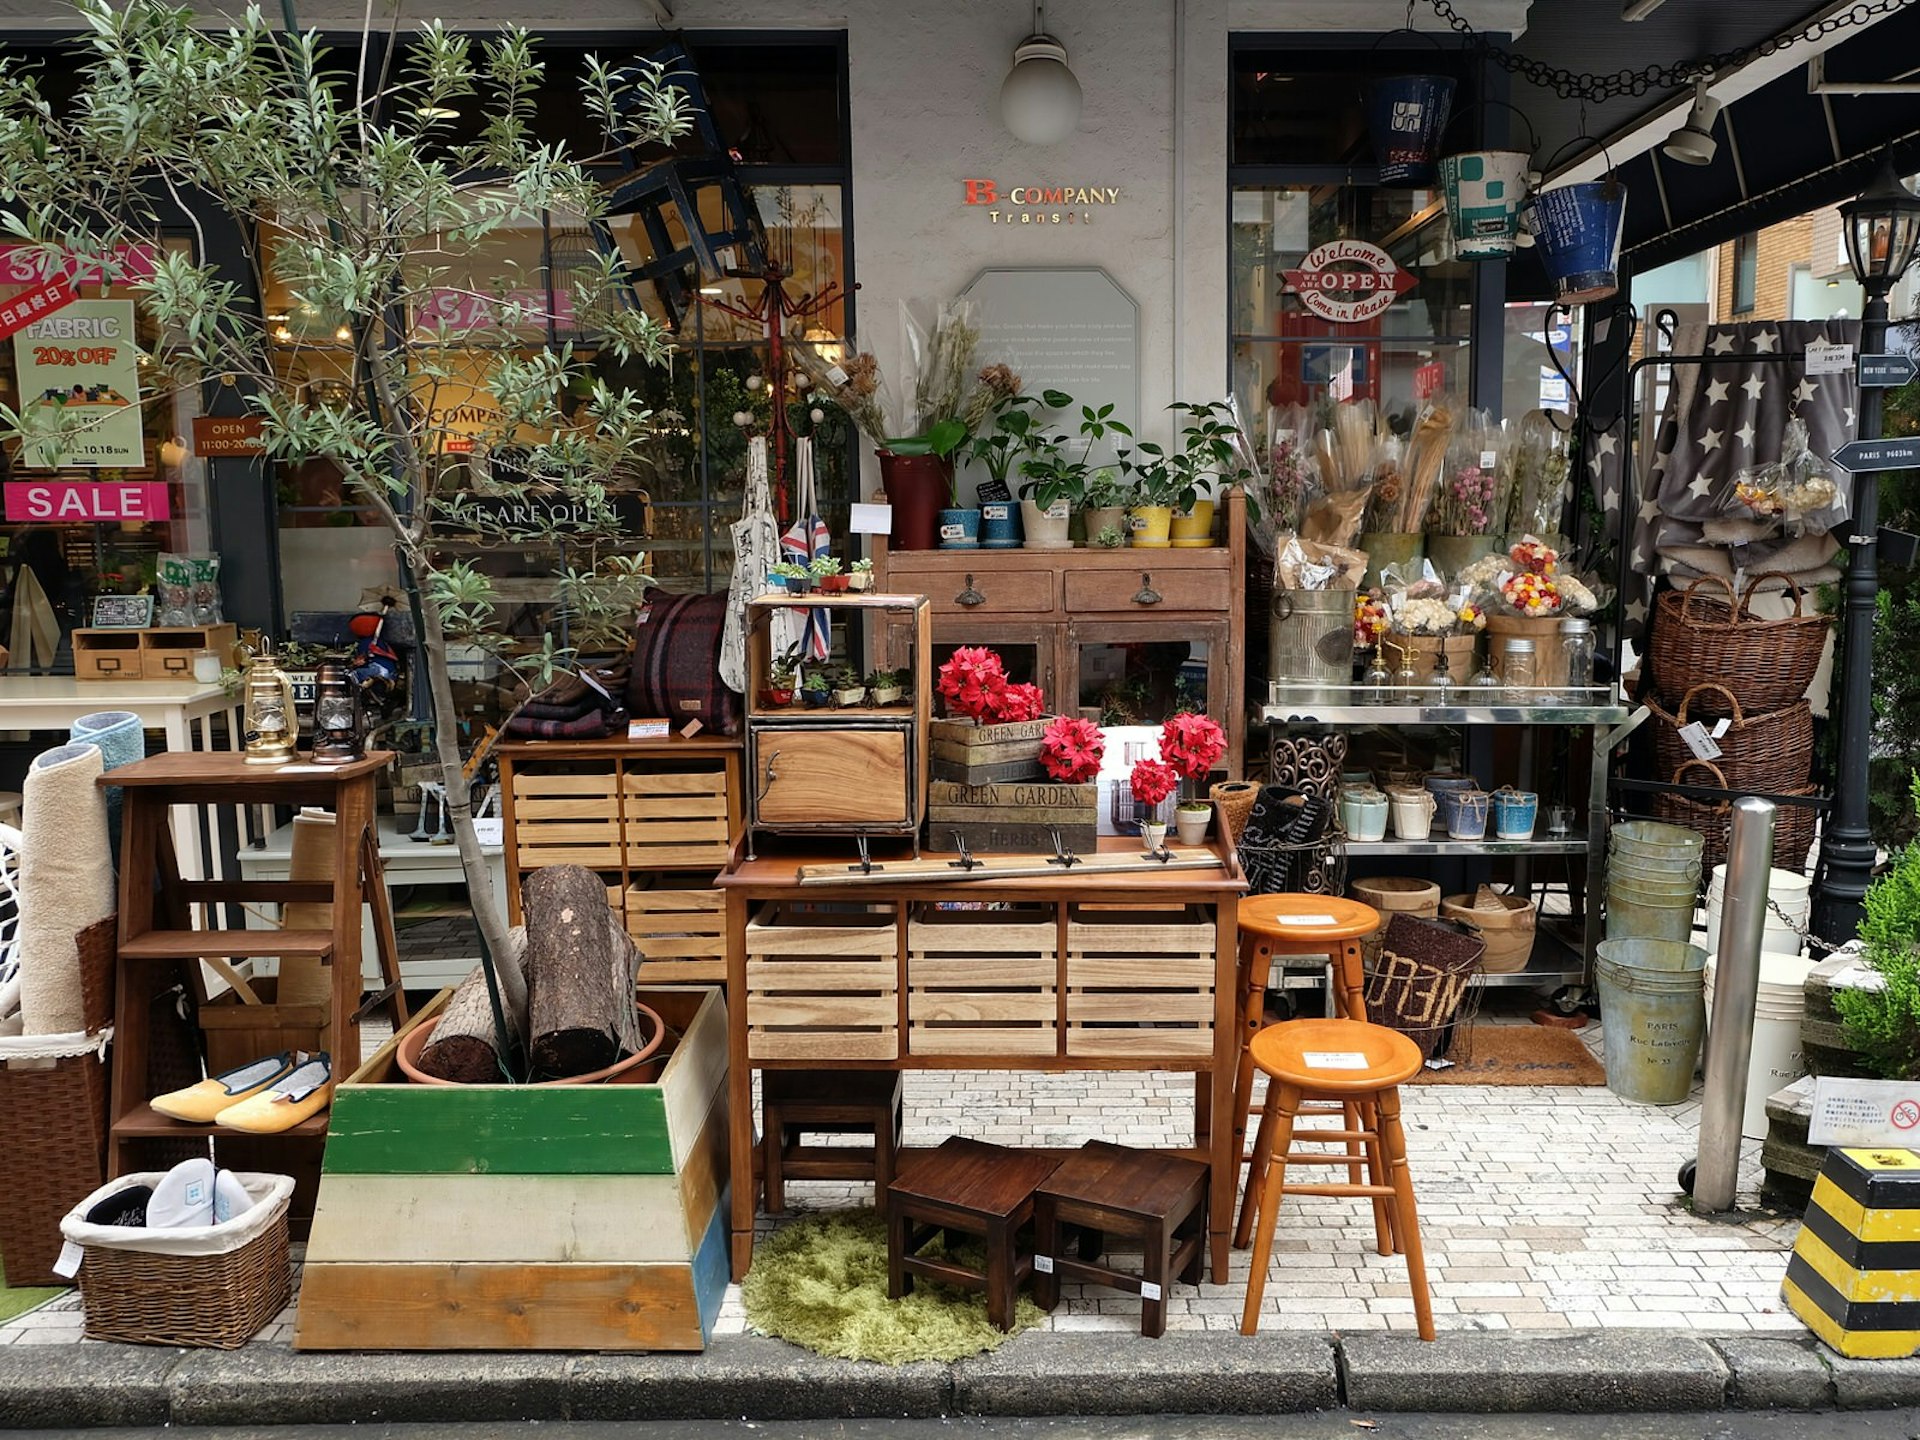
[831, 775]
[1114, 591]
[682, 934]
[1000, 592]
[1139, 983]
[106, 654]
[823, 986]
[567, 814]
[674, 819]
[983, 982]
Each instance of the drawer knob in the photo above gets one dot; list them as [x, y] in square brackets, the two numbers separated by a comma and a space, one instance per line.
[1146, 595]
[970, 596]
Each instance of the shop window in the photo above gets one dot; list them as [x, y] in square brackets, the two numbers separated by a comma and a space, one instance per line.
[1746, 273]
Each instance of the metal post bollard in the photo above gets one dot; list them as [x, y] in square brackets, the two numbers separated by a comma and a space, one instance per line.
[1736, 984]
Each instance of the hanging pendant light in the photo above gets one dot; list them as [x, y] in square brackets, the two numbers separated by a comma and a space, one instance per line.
[1693, 142]
[1040, 98]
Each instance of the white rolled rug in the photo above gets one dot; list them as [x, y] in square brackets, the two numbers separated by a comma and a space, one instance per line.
[66, 883]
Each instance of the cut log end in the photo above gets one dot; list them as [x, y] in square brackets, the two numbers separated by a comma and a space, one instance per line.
[463, 1059]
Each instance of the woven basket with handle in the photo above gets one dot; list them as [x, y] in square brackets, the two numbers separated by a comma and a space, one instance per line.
[1699, 639]
[1505, 922]
[1792, 829]
[1770, 753]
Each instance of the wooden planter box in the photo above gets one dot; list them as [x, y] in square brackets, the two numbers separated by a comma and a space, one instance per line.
[1013, 817]
[1139, 983]
[983, 982]
[496, 1217]
[823, 986]
[682, 933]
[980, 754]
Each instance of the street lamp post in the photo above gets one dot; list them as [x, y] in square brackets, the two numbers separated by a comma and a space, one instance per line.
[1882, 229]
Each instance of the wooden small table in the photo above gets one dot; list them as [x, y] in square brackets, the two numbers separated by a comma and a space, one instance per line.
[977, 1189]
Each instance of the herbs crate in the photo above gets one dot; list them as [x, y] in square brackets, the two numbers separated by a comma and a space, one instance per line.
[973, 754]
[1010, 817]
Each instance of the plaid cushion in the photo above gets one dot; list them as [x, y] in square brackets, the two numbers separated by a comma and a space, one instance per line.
[676, 662]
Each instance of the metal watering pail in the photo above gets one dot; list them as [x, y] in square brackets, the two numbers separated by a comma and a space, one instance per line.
[1652, 1015]
[1484, 189]
[1579, 227]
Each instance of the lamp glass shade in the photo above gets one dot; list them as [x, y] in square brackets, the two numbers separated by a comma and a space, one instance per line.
[1040, 98]
[1882, 230]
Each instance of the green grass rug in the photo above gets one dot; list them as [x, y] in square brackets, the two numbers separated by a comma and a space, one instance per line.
[19, 1300]
[821, 1282]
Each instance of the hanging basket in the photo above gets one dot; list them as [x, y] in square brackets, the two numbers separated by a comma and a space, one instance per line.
[1704, 640]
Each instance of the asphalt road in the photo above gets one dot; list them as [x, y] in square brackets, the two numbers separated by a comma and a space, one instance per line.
[1331, 1425]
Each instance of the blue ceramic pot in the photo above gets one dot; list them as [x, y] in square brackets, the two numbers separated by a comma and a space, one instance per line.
[999, 525]
[959, 529]
[1514, 813]
[1465, 812]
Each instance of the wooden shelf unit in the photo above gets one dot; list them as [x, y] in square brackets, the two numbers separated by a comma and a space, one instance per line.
[655, 818]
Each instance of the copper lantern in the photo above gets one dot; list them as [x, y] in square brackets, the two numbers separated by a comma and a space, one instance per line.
[337, 732]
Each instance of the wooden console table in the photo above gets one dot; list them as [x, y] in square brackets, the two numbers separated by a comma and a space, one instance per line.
[1122, 971]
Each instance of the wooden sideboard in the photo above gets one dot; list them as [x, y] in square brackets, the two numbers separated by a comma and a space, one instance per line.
[1047, 611]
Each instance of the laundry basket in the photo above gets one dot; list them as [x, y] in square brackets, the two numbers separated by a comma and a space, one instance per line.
[211, 1288]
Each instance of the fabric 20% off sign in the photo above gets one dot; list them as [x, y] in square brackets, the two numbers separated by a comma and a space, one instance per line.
[1348, 281]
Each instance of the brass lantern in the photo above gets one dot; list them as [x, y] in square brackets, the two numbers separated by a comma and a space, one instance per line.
[336, 716]
[271, 725]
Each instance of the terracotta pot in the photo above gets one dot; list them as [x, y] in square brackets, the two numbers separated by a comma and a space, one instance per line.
[1193, 530]
[1149, 525]
[917, 488]
[1100, 518]
[834, 584]
[1046, 529]
[634, 1070]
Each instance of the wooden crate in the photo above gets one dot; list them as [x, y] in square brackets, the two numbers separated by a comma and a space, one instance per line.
[971, 754]
[1139, 982]
[166, 651]
[674, 819]
[983, 982]
[568, 814]
[682, 933]
[532, 1217]
[823, 986]
[106, 654]
[1013, 817]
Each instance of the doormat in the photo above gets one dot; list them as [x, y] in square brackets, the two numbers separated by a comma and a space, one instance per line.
[821, 1282]
[1521, 1055]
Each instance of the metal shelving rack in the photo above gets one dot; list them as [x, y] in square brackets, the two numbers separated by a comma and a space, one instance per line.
[1557, 957]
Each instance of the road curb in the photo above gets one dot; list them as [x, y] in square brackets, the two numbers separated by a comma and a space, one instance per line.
[1092, 1373]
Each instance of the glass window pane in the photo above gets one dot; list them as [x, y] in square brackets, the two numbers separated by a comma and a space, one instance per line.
[1142, 682]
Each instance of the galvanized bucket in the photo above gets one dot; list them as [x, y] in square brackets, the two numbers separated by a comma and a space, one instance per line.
[1655, 840]
[1310, 645]
[1637, 915]
[1665, 880]
[1651, 1023]
[1652, 954]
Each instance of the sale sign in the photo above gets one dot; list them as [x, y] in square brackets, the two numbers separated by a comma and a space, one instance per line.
[1348, 281]
[21, 265]
[19, 311]
[80, 387]
[76, 501]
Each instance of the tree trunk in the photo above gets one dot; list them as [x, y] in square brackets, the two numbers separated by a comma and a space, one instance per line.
[581, 967]
[463, 1048]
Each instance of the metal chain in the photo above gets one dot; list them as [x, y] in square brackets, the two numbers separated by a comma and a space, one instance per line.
[1570, 83]
[1819, 941]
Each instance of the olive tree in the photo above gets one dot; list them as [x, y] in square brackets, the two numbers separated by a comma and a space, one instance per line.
[347, 185]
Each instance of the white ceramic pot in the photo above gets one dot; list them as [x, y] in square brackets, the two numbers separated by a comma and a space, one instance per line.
[1411, 812]
[1046, 529]
[1152, 835]
[1192, 824]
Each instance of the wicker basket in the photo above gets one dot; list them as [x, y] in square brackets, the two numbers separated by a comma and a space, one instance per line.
[53, 1127]
[218, 1301]
[1423, 986]
[1393, 895]
[1505, 922]
[1770, 753]
[1700, 640]
[1793, 824]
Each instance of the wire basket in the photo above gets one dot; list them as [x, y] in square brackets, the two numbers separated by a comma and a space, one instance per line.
[1311, 867]
[1423, 986]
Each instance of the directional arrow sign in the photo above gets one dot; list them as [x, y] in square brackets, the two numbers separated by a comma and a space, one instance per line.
[1862, 456]
[1881, 372]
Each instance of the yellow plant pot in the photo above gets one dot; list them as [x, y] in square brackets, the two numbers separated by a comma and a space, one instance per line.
[1149, 525]
[1194, 530]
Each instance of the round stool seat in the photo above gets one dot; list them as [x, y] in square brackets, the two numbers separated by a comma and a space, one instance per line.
[1277, 918]
[1297, 1052]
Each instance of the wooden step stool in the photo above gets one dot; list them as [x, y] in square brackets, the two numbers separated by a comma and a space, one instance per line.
[976, 1189]
[1107, 1191]
[829, 1102]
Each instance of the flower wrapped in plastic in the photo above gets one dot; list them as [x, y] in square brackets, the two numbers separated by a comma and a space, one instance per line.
[1071, 748]
[1370, 618]
[1796, 492]
[1528, 581]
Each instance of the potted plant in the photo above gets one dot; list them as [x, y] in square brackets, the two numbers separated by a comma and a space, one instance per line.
[796, 577]
[815, 690]
[885, 687]
[1011, 435]
[778, 692]
[1106, 507]
[1150, 508]
[860, 575]
[1192, 744]
[1109, 536]
[1151, 783]
[1207, 458]
[1057, 478]
[844, 681]
[825, 570]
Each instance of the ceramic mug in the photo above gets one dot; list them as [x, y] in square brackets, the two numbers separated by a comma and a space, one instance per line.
[1514, 812]
[1363, 813]
[1412, 812]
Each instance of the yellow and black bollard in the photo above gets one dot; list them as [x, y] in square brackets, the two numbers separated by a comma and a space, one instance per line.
[1854, 1279]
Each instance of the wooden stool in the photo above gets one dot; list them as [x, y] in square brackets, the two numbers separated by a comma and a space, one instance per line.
[1352, 1062]
[828, 1102]
[1281, 925]
[976, 1189]
[1108, 1190]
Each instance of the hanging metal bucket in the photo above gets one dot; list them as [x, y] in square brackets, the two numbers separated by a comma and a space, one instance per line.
[1405, 115]
[1484, 190]
[1579, 227]
[1310, 645]
[1652, 1016]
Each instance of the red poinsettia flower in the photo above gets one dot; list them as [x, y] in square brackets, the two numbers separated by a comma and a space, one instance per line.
[1152, 781]
[1192, 744]
[1070, 749]
[1019, 702]
[972, 682]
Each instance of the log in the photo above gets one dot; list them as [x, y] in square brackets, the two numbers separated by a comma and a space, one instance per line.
[581, 969]
[463, 1049]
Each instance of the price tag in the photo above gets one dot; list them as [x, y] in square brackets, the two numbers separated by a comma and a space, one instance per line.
[837, 376]
[866, 519]
[1488, 459]
[1827, 358]
[1149, 1290]
[1311, 920]
[1335, 1060]
[1699, 742]
[1043, 1264]
[68, 1265]
[1720, 727]
[490, 831]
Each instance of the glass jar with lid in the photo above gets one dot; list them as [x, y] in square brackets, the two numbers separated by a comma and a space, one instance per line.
[1517, 670]
[1576, 641]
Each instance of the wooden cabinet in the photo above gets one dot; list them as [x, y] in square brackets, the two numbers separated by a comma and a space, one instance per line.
[1083, 624]
[831, 775]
